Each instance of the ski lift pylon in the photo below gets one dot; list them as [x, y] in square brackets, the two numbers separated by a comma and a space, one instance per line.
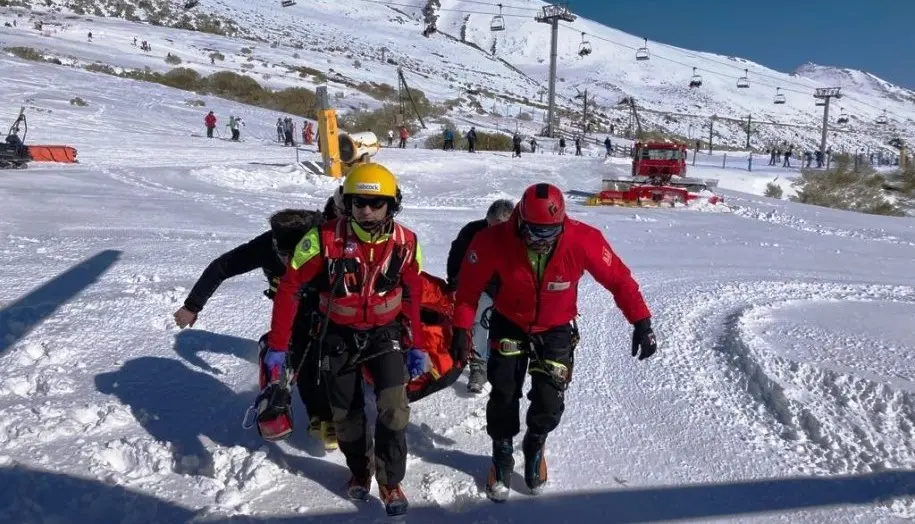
[642, 52]
[696, 80]
[843, 117]
[498, 22]
[744, 82]
[584, 49]
[779, 97]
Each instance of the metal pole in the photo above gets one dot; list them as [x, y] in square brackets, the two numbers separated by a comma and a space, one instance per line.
[584, 122]
[711, 126]
[749, 121]
[554, 43]
[825, 124]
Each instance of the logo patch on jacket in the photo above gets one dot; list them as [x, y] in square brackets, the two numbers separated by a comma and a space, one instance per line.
[558, 286]
[472, 257]
[607, 256]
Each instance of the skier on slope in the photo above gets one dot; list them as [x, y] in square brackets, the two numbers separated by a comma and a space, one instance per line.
[267, 252]
[498, 212]
[368, 269]
[209, 122]
[537, 258]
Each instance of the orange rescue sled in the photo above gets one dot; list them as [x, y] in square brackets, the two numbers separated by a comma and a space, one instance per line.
[63, 154]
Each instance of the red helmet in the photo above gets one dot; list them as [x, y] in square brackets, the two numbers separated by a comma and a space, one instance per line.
[542, 204]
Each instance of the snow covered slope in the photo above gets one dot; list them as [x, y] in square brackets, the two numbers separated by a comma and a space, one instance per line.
[363, 41]
[782, 391]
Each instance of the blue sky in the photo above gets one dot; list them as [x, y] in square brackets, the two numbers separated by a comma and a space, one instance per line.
[877, 36]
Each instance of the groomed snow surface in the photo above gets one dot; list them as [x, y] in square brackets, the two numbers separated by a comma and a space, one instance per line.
[782, 391]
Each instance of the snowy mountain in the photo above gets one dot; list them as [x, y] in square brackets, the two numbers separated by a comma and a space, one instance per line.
[493, 75]
[782, 390]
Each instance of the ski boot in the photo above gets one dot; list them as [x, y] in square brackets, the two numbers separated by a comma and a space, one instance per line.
[498, 484]
[535, 473]
[477, 380]
[395, 501]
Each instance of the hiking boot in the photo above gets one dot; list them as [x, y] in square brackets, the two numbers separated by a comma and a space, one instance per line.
[329, 436]
[358, 487]
[477, 379]
[498, 483]
[395, 501]
[535, 472]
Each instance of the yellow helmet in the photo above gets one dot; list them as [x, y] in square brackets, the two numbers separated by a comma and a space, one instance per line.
[371, 179]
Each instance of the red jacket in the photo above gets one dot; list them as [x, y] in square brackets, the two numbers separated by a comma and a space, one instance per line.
[285, 303]
[209, 120]
[403, 133]
[499, 252]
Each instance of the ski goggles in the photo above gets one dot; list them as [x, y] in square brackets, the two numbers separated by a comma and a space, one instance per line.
[541, 233]
[372, 202]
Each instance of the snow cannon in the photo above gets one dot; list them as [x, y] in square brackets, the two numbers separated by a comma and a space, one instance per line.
[358, 147]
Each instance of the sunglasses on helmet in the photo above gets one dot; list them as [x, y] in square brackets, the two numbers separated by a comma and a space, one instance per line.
[537, 233]
[372, 202]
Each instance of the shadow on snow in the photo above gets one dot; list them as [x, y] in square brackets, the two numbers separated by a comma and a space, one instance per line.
[19, 318]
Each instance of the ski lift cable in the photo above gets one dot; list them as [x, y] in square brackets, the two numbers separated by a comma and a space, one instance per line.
[806, 92]
[503, 4]
[462, 11]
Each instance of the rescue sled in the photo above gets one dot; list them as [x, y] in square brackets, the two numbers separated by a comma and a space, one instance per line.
[15, 154]
[436, 313]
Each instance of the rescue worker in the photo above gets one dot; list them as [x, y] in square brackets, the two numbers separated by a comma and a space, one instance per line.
[498, 212]
[367, 268]
[537, 258]
[269, 252]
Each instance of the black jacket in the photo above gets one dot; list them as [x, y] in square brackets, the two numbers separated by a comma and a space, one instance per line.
[256, 254]
[459, 249]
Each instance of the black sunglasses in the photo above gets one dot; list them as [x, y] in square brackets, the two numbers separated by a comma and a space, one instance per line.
[374, 203]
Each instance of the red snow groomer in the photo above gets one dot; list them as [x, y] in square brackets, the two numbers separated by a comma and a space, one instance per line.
[658, 178]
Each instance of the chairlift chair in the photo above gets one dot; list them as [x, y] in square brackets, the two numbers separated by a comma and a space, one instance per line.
[779, 97]
[744, 82]
[287, 3]
[820, 102]
[843, 117]
[696, 80]
[642, 52]
[882, 120]
[584, 49]
[498, 22]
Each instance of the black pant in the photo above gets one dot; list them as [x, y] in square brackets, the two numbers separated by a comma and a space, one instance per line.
[235, 134]
[313, 396]
[506, 374]
[403, 143]
[209, 132]
[343, 385]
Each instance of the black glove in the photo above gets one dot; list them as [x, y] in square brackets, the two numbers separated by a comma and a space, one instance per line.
[643, 338]
[460, 345]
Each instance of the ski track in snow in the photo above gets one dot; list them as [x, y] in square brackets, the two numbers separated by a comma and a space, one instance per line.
[830, 422]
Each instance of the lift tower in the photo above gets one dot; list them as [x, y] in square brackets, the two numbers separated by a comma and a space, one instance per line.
[552, 14]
